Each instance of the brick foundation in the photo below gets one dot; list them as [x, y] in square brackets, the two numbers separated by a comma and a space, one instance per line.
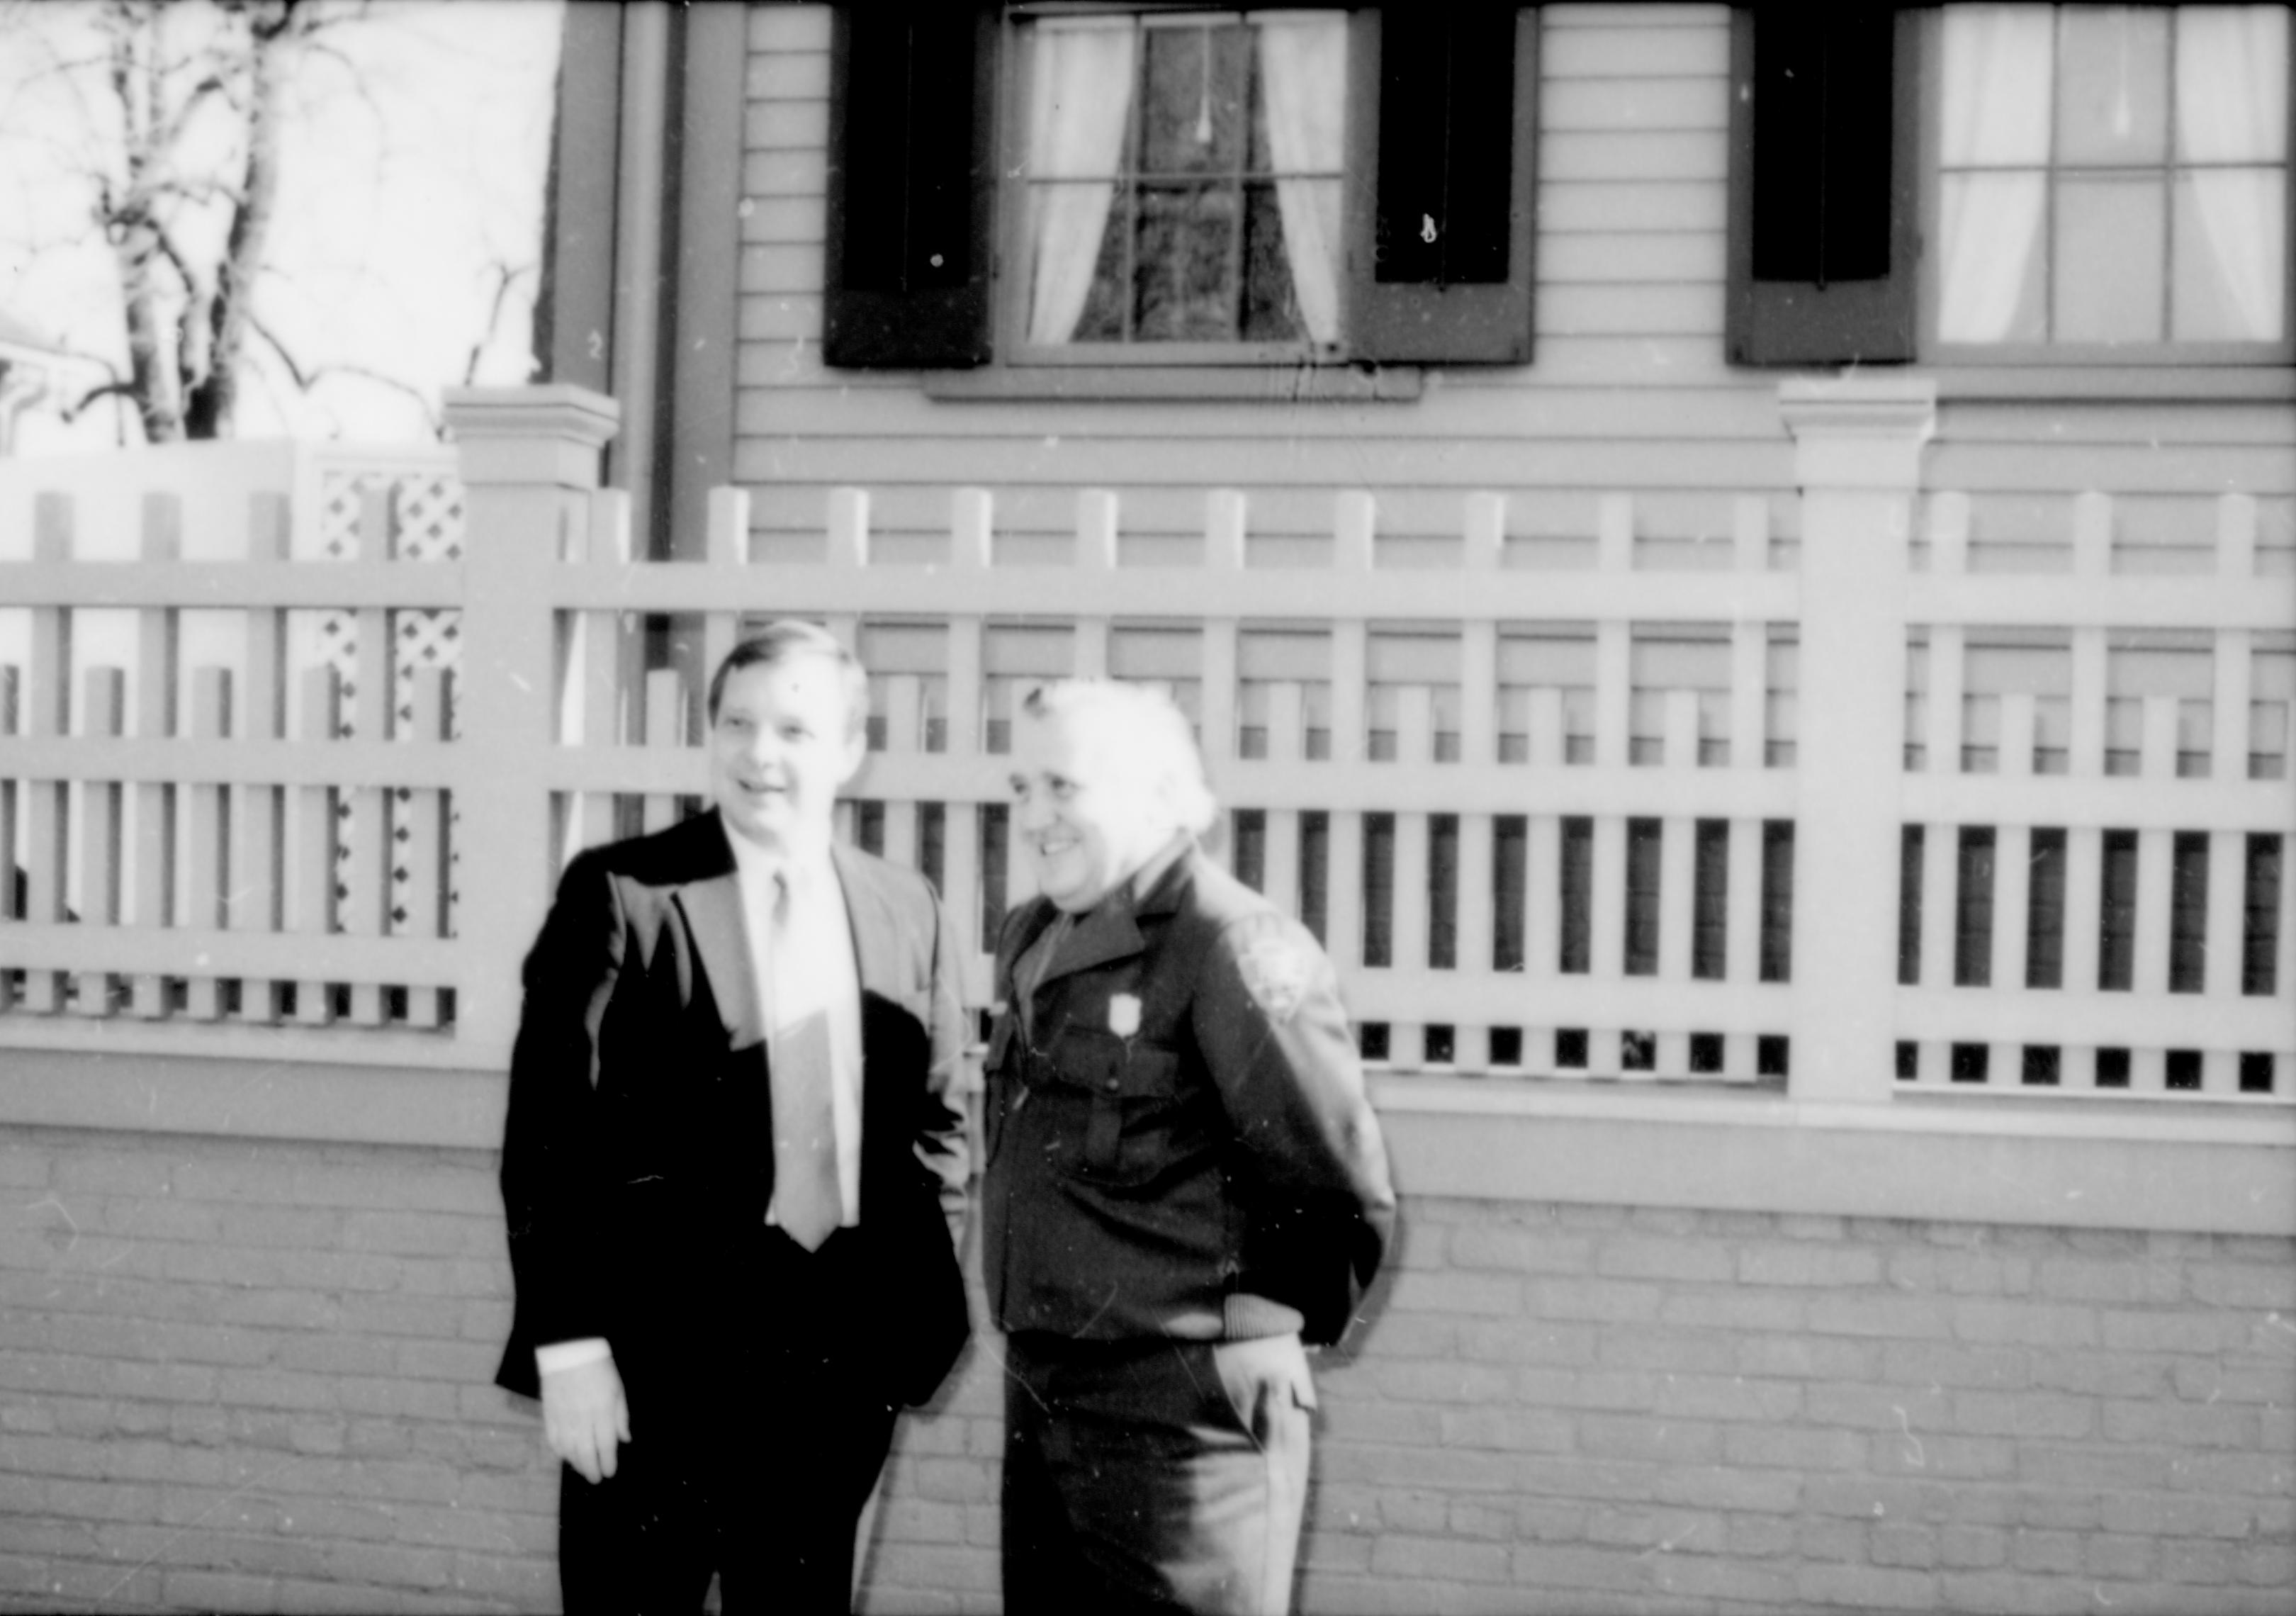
[255, 1376]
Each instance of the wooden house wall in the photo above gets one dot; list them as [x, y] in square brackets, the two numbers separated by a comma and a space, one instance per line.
[1628, 389]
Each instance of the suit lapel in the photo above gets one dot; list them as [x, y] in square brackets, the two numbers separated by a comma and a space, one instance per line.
[712, 908]
[876, 932]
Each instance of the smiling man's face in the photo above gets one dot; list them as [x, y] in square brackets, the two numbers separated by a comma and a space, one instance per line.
[780, 747]
[1086, 819]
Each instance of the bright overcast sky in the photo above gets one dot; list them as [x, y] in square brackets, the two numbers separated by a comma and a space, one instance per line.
[402, 192]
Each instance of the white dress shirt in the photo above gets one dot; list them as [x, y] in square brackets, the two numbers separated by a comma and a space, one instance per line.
[814, 975]
[817, 975]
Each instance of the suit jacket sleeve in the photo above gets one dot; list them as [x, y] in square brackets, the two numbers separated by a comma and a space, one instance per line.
[944, 1142]
[1268, 1017]
[550, 1157]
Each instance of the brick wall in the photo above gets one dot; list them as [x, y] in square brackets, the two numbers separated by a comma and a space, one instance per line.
[248, 1376]
[256, 1376]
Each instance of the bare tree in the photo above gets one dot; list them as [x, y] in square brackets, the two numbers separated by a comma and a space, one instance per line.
[190, 306]
[173, 120]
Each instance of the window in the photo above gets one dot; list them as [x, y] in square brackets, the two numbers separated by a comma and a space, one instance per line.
[2111, 178]
[1178, 184]
[1181, 179]
[2096, 183]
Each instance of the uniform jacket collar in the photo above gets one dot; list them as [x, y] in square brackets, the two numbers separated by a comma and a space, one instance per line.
[1111, 929]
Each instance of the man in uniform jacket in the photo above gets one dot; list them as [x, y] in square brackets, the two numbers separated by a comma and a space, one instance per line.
[735, 1167]
[1184, 1183]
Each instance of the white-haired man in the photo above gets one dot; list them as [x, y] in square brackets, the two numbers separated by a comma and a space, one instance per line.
[1185, 1182]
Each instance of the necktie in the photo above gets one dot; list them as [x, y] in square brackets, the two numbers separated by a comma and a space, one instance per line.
[807, 1203]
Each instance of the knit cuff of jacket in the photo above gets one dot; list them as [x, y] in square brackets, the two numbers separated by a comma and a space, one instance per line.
[1244, 1318]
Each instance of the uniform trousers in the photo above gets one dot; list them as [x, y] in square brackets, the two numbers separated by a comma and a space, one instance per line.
[1165, 1475]
[758, 1472]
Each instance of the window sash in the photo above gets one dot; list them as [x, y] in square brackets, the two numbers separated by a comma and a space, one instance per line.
[1310, 199]
[1941, 178]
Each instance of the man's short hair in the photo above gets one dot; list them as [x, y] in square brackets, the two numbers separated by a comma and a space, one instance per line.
[1158, 744]
[789, 637]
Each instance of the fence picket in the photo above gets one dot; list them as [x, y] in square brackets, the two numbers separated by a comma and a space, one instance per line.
[11, 801]
[208, 853]
[316, 829]
[1343, 894]
[418, 838]
[666, 706]
[904, 736]
[1286, 745]
[1289, 678]
[103, 716]
[152, 811]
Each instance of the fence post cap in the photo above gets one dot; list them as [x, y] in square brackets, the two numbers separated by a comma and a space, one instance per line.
[1858, 432]
[488, 421]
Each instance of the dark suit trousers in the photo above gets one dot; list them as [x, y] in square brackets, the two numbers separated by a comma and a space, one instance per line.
[1153, 1476]
[757, 1474]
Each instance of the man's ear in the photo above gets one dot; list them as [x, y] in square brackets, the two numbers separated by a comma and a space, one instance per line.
[855, 753]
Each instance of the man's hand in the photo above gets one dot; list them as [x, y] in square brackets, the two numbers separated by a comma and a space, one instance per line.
[586, 1417]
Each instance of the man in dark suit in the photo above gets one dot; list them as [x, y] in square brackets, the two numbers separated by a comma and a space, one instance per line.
[1185, 1183]
[735, 1167]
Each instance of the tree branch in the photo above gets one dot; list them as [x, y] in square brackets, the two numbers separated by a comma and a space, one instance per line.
[306, 380]
[270, 340]
[506, 277]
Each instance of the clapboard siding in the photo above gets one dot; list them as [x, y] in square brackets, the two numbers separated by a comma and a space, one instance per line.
[1635, 155]
[2127, 424]
[1508, 416]
[1619, 256]
[772, 126]
[780, 317]
[1628, 389]
[785, 174]
[1300, 517]
[1635, 103]
[2110, 468]
[802, 75]
[777, 219]
[1301, 461]
[1622, 45]
[1568, 205]
[1628, 310]
[781, 268]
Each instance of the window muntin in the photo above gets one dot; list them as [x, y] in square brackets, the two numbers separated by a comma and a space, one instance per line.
[1181, 183]
[2113, 179]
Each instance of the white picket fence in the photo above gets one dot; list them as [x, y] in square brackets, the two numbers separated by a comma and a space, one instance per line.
[1552, 825]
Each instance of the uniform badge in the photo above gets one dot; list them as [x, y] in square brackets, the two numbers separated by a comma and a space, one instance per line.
[1124, 1014]
[1277, 971]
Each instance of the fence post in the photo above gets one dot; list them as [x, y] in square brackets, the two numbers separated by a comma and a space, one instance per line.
[1857, 443]
[529, 461]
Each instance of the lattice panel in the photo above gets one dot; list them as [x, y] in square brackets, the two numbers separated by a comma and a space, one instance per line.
[425, 524]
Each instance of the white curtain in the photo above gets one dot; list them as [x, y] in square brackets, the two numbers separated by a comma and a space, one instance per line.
[1080, 90]
[2232, 107]
[1303, 62]
[1997, 71]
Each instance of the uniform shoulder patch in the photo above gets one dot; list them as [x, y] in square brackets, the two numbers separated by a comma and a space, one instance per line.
[1278, 966]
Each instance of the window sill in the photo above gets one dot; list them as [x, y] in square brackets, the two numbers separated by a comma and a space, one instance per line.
[1177, 383]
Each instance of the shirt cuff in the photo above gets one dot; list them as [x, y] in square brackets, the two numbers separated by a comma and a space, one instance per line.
[572, 1355]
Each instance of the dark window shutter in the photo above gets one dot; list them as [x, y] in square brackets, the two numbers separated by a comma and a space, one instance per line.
[1443, 173]
[911, 102]
[1822, 184]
